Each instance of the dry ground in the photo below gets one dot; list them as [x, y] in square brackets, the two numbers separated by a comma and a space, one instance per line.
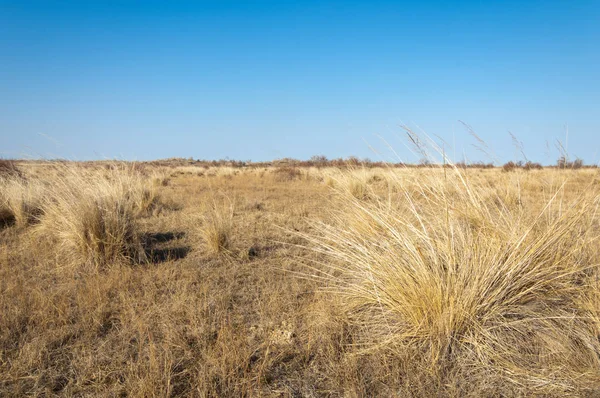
[229, 299]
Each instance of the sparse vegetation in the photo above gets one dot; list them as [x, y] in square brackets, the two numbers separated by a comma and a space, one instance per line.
[349, 281]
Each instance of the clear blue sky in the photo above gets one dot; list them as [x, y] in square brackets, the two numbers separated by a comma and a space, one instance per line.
[268, 79]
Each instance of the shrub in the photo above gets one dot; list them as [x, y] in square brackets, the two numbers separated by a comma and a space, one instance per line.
[319, 161]
[564, 163]
[510, 166]
[532, 166]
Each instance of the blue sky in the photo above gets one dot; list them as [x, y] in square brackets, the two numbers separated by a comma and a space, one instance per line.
[268, 79]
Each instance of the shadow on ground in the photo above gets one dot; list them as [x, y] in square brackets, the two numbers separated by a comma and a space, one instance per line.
[157, 254]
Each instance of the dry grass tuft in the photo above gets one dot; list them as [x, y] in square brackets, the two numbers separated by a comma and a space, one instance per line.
[355, 184]
[462, 296]
[161, 178]
[8, 168]
[92, 216]
[216, 228]
[358, 188]
[470, 283]
[20, 200]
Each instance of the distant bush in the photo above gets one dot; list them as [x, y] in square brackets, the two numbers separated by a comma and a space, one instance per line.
[532, 166]
[564, 163]
[510, 166]
[287, 173]
[319, 161]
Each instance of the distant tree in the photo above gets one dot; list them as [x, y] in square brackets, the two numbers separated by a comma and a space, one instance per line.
[510, 166]
[424, 162]
[319, 160]
[532, 166]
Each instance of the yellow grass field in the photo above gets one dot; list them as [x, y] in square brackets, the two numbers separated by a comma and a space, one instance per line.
[129, 279]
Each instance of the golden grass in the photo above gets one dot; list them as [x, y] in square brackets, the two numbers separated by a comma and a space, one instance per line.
[433, 283]
[91, 216]
[216, 228]
[417, 277]
[20, 200]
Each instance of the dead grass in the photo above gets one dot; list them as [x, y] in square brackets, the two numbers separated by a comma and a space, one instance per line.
[9, 168]
[419, 281]
[91, 217]
[477, 283]
[216, 227]
[20, 200]
[287, 173]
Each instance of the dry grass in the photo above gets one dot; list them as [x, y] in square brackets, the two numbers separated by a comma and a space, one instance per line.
[459, 280]
[431, 283]
[20, 200]
[216, 227]
[91, 216]
[287, 173]
[9, 168]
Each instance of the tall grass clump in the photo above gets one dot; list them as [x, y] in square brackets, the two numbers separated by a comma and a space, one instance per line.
[216, 228]
[19, 196]
[458, 284]
[141, 187]
[353, 183]
[20, 200]
[91, 215]
[9, 168]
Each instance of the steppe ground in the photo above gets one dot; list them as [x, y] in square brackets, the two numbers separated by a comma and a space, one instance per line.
[284, 281]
